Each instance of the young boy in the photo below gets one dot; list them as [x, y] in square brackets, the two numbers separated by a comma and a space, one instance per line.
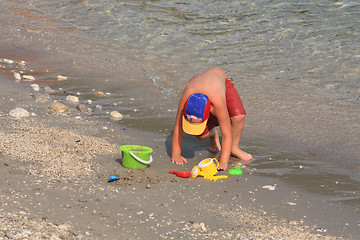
[209, 100]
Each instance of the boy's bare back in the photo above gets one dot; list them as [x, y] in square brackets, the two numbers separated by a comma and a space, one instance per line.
[210, 83]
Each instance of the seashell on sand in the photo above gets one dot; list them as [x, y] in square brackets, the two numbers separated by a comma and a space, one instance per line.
[116, 115]
[19, 113]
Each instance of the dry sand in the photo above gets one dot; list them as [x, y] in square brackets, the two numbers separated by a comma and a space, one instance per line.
[54, 172]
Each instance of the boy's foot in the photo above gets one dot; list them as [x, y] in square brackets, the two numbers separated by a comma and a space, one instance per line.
[242, 155]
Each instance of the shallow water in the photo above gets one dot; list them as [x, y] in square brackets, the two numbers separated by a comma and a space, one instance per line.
[302, 42]
[312, 43]
[143, 52]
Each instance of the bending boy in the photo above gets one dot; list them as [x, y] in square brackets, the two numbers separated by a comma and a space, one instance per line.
[209, 100]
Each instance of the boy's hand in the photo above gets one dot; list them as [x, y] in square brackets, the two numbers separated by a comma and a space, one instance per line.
[222, 165]
[178, 159]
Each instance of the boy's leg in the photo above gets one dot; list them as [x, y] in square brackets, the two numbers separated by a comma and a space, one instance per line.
[215, 145]
[237, 116]
[237, 126]
[212, 133]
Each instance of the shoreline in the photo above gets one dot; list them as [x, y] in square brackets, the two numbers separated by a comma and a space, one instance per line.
[54, 178]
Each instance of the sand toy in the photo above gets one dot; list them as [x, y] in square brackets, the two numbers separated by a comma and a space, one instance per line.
[195, 172]
[113, 178]
[235, 171]
[181, 174]
[209, 166]
[135, 156]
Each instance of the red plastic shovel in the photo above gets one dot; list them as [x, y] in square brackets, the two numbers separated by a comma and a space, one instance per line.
[181, 174]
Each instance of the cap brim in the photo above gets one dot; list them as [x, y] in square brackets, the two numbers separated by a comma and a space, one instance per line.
[193, 129]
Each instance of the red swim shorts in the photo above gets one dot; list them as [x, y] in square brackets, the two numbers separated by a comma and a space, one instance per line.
[233, 103]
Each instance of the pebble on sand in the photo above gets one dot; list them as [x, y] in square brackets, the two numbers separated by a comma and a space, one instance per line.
[99, 93]
[19, 113]
[116, 115]
[17, 76]
[58, 107]
[49, 89]
[60, 77]
[41, 97]
[72, 99]
[84, 109]
[29, 77]
[21, 63]
[35, 87]
[8, 61]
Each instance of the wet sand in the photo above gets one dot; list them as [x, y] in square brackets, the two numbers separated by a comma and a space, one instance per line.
[54, 172]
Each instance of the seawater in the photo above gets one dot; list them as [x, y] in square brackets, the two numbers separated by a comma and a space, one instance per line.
[317, 40]
[144, 52]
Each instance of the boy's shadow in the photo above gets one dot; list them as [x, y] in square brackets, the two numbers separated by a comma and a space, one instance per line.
[190, 145]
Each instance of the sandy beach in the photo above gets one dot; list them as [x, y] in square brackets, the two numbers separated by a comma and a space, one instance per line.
[295, 66]
[54, 184]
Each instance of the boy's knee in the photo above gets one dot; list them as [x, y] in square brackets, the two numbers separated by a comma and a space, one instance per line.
[200, 137]
[203, 137]
[239, 119]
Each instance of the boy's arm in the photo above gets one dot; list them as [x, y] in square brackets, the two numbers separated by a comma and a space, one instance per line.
[225, 128]
[177, 140]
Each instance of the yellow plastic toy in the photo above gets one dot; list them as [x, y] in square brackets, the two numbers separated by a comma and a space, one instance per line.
[209, 166]
[197, 172]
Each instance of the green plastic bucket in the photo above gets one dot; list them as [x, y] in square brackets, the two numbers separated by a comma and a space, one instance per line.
[135, 156]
